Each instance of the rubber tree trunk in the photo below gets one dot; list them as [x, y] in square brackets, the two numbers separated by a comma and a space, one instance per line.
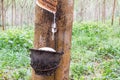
[62, 41]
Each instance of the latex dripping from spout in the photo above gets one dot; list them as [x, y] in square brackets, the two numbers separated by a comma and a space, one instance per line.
[54, 28]
[50, 6]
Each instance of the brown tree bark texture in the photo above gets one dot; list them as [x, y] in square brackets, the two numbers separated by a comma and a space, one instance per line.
[62, 42]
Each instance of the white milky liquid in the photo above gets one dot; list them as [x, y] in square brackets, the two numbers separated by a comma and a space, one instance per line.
[54, 30]
[47, 49]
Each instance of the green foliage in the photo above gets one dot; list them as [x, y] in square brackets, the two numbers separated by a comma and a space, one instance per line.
[79, 70]
[15, 74]
[96, 47]
[14, 60]
[16, 39]
[14, 65]
[95, 52]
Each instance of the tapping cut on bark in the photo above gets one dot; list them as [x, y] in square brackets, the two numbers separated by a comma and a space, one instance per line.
[49, 5]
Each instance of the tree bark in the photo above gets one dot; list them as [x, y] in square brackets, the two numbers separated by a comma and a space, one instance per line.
[113, 13]
[62, 41]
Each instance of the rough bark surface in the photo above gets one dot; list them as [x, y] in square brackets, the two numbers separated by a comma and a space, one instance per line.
[62, 41]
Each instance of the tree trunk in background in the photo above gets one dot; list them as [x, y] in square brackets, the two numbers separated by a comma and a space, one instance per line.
[22, 5]
[113, 12]
[104, 11]
[119, 20]
[3, 25]
[15, 13]
[96, 12]
[62, 42]
[81, 10]
[21, 20]
[13, 4]
[5, 9]
[99, 11]
[0, 13]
